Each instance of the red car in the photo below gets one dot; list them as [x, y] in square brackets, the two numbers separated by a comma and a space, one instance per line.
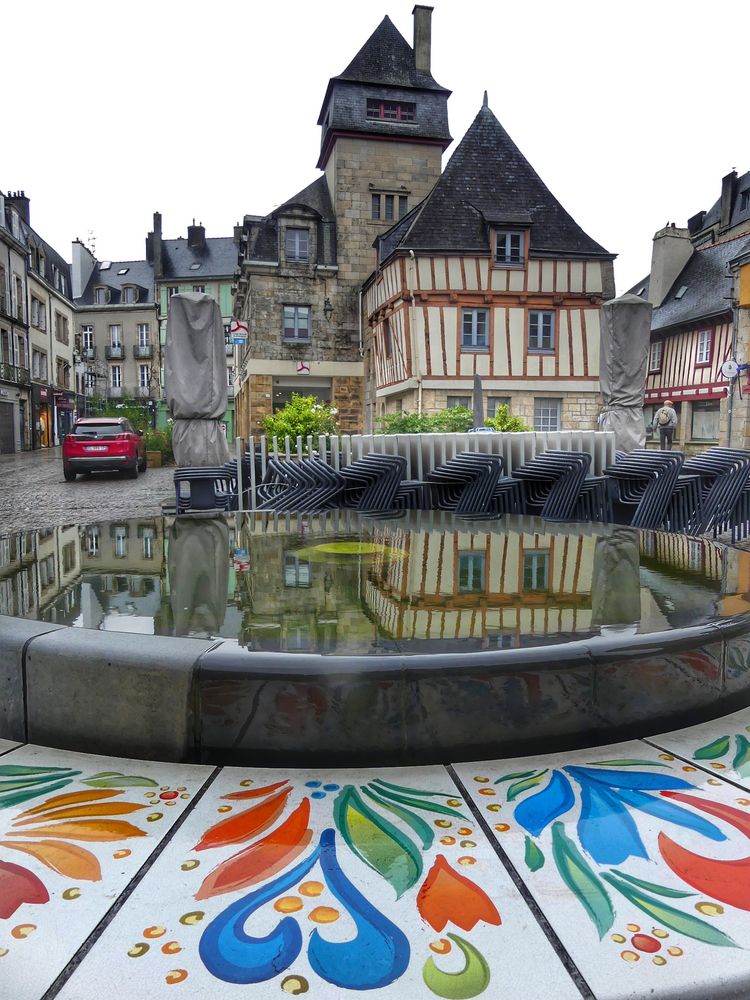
[103, 443]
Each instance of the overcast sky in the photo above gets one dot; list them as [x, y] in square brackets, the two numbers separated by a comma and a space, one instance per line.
[631, 112]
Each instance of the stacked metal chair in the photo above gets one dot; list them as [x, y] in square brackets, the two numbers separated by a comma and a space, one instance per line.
[645, 482]
[199, 489]
[724, 477]
[306, 485]
[555, 486]
[372, 482]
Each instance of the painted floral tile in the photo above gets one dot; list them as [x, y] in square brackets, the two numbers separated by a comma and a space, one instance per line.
[74, 830]
[331, 884]
[722, 745]
[640, 862]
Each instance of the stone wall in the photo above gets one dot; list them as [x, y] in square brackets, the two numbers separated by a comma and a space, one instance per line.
[260, 402]
[347, 396]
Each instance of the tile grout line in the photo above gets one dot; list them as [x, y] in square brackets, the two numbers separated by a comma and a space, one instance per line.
[18, 746]
[560, 950]
[697, 765]
[73, 963]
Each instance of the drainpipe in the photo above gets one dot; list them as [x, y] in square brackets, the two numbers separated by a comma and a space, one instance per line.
[359, 319]
[735, 321]
[411, 328]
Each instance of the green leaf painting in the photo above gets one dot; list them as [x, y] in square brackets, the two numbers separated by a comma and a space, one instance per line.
[519, 787]
[513, 775]
[469, 982]
[660, 890]
[741, 762]
[627, 762]
[712, 750]
[423, 830]
[581, 880]
[24, 794]
[113, 779]
[13, 770]
[376, 841]
[676, 920]
[533, 855]
[412, 791]
[404, 800]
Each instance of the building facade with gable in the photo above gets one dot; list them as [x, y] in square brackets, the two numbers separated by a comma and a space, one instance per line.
[489, 276]
[699, 285]
[15, 381]
[384, 127]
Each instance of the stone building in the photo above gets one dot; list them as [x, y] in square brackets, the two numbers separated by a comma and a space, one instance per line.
[384, 127]
[116, 327]
[699, 285]
[490, 276]
[15, 381]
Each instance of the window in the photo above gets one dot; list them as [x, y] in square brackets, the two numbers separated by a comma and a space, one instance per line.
[36, 307]
[230, 377]
[115, 376]
[43, 369]
[296, 322]
[383, 206]
[394, 111]
[172, 290]
[541, 331]
[201, 289]
[296, 571]
[695, 556]
[121, 543]
[474, 329]
[115, 335]
[471, 572]
[547, 414]
[508, 248]
[536, 570]
[92, 541]
[148, 543]
[495, 402]
[129, 294]
[703, 349]
[297, 244]
[459, 401]
[705, 420]
[35, 364]
[62, 332]
[144, 336]
[20, 350]
[5, 348]
[101, 296]
[144, 376]
[655, 355]
[387, 338]
[744, 200]
[87, 337]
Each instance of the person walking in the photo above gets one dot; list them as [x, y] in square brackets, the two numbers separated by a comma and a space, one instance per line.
[665, 421]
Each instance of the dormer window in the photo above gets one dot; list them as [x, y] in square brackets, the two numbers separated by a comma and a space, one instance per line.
[391, 111]
[129, 294]
[297, 245]
[744, 200]
[509, 248]
[101, 295]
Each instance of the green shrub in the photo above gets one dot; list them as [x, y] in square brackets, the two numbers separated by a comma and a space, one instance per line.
[132, 409]
[302, 416]
[160, 441]
[503, 421]
[455, 420]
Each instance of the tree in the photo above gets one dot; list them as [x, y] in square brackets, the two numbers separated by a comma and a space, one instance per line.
[503, 421]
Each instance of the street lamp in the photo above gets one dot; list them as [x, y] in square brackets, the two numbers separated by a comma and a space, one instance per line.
[327, 309]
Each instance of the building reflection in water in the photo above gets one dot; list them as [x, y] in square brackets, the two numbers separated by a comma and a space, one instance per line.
[338, 583]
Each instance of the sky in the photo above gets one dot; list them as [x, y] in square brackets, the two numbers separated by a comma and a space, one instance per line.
[631, 112]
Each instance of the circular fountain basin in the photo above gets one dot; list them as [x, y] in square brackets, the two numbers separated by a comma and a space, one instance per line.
[339, 639]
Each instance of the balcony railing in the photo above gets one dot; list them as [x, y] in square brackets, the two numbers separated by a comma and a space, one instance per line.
[143, 352]
[14, 373]
[89, 354]
[114, 352]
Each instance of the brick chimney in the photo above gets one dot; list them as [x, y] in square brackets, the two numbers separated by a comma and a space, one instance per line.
[671, 251]
[422, 37]
[728, 192]
[21, 203]
[197, 236]
[156, 244]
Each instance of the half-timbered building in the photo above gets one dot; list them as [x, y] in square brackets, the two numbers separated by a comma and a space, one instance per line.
[701, 319]
[489, 275]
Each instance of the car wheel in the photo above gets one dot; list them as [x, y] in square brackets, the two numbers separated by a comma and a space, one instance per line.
[132, 473]
[143, 464]
[68, 474]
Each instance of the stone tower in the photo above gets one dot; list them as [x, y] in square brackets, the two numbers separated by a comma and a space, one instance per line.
[384, 126]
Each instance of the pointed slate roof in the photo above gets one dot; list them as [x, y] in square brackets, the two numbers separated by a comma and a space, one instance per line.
[488, 181]
[315, 197]
[387, 58]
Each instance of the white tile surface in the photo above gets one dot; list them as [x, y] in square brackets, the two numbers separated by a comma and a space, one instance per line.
[6, 745]
[520, 960]
[722, 745]
[39, 938]
[700, 970]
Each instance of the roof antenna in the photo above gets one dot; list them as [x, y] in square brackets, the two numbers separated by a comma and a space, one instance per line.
[484, 102]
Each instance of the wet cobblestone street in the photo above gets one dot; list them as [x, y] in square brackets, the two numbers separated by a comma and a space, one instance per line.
[33, 493]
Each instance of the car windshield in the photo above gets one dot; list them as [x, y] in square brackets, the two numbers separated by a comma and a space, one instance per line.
[98, 430]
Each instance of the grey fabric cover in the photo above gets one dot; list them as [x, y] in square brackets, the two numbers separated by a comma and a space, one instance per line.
[198, 565]
[616, 583]
[195, 379]
[625, 339]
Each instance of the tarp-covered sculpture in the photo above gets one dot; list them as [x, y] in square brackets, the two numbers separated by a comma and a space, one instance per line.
[195, 377]
[198, 565]
[626, 326]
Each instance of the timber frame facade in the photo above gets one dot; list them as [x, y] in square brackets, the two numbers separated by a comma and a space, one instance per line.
[489, 276]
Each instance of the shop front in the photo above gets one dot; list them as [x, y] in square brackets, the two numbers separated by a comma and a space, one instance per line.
[41, 417]
[64, 414]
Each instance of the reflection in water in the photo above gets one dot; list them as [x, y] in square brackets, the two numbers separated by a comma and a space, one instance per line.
[345, 584]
